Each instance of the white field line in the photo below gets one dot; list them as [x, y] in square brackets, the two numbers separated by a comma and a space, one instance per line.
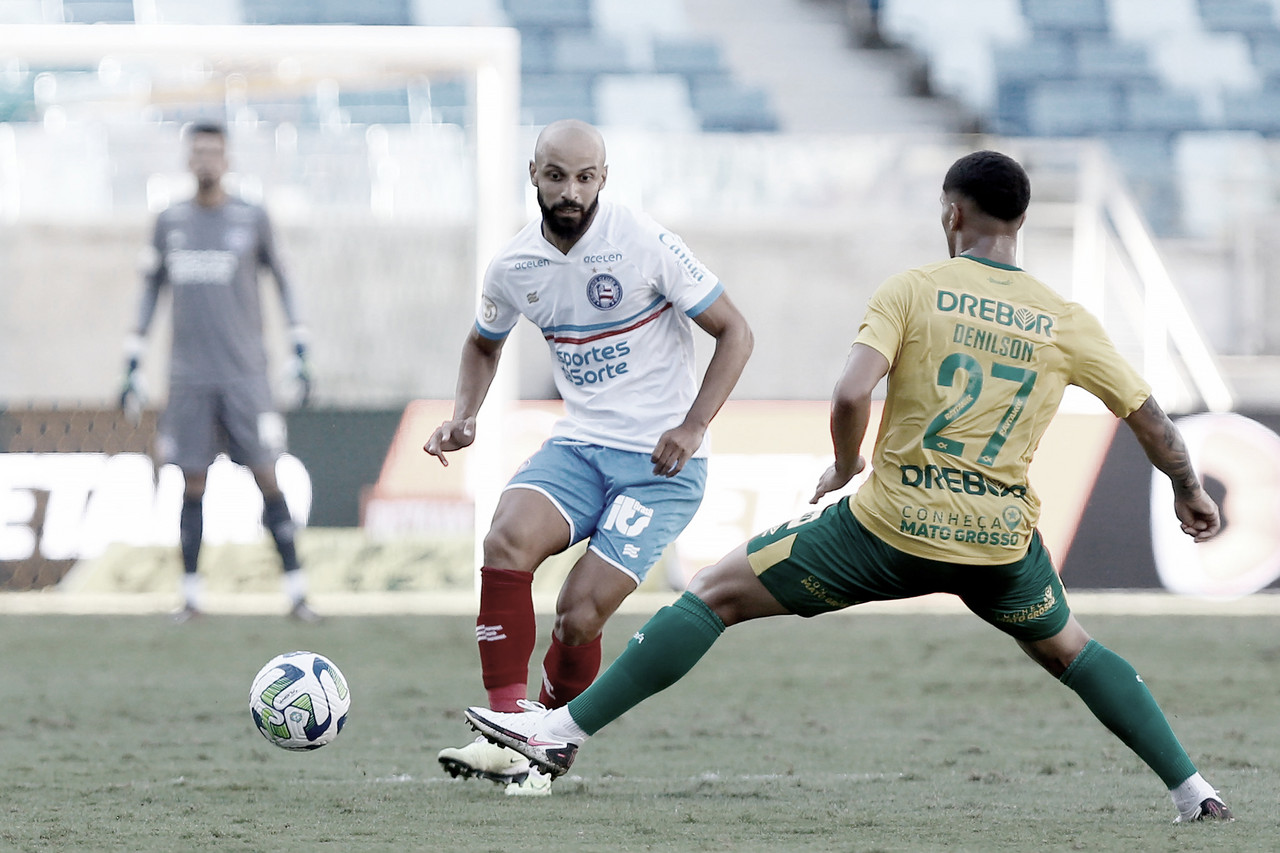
[465, 603]
[442, 779]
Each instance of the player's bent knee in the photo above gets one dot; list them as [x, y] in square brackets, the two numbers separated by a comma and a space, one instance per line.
[1056, 653]
[504, 549]
[733, 592]
[724, 600]
[580, 625]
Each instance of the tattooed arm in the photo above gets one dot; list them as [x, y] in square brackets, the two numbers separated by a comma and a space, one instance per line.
[1163, 445]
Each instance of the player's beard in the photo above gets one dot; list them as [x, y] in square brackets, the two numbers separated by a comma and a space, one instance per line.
[567, 229]
[207, 182]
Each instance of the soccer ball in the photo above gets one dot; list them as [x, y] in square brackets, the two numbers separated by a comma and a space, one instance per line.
[299, 700]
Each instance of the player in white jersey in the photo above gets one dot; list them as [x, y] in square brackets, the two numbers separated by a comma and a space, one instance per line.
[616, 297]
[208, 252]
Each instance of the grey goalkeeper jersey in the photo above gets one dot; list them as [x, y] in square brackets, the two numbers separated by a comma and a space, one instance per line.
[210, 258]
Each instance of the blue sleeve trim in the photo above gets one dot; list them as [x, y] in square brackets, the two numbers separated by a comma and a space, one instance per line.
[493, 336]
[706, 301]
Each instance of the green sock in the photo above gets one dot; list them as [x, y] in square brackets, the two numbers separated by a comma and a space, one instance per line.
[658, 656]
[1117, 696]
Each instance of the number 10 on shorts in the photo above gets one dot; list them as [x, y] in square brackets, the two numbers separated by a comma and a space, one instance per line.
[627, 516]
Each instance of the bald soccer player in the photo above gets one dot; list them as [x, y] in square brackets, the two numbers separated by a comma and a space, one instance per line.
[616, 296]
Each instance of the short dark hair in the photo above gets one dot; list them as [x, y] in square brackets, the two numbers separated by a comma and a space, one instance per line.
[995, 182]
[199, 127]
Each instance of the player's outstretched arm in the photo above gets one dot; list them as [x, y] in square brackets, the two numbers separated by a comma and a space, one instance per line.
[734, 342]
[1163, 445]
[479, 364]
[850, 414]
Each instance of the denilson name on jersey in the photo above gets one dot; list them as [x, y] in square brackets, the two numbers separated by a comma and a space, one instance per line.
[995, 343]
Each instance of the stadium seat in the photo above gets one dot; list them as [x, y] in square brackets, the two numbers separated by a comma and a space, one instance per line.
[1113, 60]
[97, 11]
[1018, 67]
[658, 102]
[538, 50]
[459, 13]
[1157, 109]
[198, 11]
[627, 17]
[1146, 20]
[383, 13]
[1044, 58]
[686, 55]
[732, 107]
[589, 53]
[561, 14]
[1241, 16]
[1009, 116]
[548, 97]
[1259, 111]
[384, 106]
[1073, 108]
[1058, 16]
[1265, 51]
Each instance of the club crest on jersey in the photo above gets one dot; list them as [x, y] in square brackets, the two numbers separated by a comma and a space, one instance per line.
[604, 291]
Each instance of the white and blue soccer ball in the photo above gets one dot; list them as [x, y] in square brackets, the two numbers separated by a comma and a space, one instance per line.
[299, 700]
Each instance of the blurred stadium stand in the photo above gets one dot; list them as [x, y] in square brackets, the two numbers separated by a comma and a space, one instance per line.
[1144, 75]
[760, 128]
[1141, 74]
[574, 52]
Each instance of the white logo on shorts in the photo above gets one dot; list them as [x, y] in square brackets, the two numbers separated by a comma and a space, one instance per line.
[627, 516]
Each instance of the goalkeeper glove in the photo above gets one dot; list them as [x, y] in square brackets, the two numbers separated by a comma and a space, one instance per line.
[301, 367]
[133, 396]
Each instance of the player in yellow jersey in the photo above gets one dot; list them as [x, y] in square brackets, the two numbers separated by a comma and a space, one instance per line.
[977, 354]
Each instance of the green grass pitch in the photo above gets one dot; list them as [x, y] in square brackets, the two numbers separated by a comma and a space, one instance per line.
[862, 732]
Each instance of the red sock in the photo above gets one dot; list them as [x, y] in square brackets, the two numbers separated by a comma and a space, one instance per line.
[505, 632]
[568, 670]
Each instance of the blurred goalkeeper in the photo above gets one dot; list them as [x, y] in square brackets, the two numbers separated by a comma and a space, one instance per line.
[208, 251]
[978, 354]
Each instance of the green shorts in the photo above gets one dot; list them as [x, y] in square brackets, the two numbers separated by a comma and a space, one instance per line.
[827, 560]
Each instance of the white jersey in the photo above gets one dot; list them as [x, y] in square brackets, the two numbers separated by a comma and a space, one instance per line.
[615, 313]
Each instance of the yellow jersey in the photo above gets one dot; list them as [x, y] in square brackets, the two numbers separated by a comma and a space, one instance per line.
[979, 356]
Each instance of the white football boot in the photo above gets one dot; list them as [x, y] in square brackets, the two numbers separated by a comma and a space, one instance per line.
[1211, 808]
[535, 784]
[528, 733]
[484, 760]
